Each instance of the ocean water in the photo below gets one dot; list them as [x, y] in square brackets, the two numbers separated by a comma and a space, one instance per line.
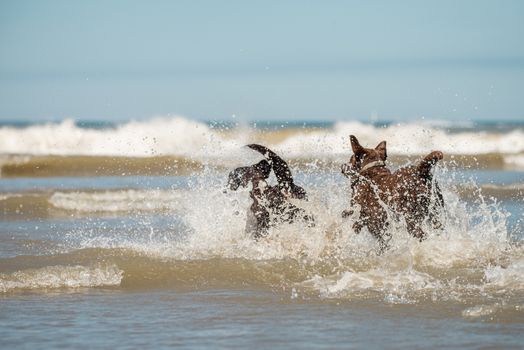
[122, 236]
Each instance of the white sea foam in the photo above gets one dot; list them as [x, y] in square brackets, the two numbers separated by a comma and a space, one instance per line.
[444, 266]
[473, 237]
[395, 284]
[480, 311]
[515, 160]
[117, 201]
[4, 196]
[160, 136]
[511, 276]
[490, 311]
[52, 277]
[185, 137]
[406, 138]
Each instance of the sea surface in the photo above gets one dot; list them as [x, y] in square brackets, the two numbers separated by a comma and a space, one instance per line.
[123, 235]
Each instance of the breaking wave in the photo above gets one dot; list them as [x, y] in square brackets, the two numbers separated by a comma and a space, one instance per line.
[178, 136]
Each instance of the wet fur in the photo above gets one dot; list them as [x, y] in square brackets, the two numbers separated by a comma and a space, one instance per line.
[408, 191]
[270, 203]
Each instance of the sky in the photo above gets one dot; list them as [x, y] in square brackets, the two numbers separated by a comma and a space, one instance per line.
[262, 60]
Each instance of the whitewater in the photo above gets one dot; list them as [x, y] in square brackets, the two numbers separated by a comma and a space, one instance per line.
[180, 136]
[133, 221]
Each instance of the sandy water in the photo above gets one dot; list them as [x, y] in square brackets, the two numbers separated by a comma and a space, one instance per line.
[124, 262]
[113, 240]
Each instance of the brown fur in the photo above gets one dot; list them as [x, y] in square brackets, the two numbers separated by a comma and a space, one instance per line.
[408, 191]
[270, 203]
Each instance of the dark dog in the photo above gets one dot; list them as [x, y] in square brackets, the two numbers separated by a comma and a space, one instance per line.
[408, 191]
[270, 203]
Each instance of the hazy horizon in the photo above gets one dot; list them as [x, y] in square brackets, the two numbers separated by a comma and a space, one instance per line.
[293, 60]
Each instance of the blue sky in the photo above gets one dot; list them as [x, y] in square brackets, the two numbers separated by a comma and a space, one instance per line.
[281, 60]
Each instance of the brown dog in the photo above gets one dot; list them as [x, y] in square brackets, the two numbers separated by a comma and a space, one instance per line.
[270, 203]
[408, 191]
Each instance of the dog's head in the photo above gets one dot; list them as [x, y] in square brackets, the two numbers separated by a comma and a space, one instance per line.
[364, 156]
[243, 175]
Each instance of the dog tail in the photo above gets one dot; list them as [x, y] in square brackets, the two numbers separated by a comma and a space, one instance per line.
[280, 167]
[282, 171]
[429, 161]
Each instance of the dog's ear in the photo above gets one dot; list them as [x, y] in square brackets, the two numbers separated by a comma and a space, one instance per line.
[381, 149]
[355, 146]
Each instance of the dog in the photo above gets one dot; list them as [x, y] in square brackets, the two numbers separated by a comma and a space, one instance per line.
[271, 204]
[409, 192]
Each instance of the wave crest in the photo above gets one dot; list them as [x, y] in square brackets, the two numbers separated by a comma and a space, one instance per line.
[178, 136]
[53, 277]
[117, 201]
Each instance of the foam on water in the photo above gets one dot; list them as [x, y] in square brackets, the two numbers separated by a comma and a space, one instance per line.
[395, 285]
[516, 160]
[184, 137]
[473, 254]
[161, 136]
[510, 276]
[52, 277]
[117, 201]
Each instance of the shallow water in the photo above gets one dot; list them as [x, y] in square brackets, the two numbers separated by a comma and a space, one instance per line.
[135, 261]
[142, 261]
[240, 318]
